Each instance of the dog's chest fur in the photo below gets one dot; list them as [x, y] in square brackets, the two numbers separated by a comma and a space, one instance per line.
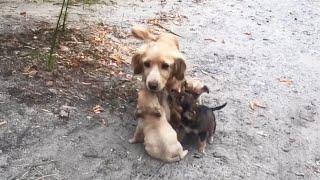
[163, 100]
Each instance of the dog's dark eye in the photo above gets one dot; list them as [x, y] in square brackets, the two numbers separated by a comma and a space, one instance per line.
[164, 66]
[146, 64]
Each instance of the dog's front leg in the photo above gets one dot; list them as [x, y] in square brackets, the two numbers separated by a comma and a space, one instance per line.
[138, 135]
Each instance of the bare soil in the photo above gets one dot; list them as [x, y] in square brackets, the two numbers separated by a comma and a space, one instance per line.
[262, 57]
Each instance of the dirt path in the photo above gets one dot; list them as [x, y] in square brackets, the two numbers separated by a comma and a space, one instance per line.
[245, 51]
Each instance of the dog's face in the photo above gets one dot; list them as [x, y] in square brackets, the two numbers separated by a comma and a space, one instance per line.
[158, 65]
[188, 103]
[188, 100]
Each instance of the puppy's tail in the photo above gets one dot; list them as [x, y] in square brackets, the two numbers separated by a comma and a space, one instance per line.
[143, 33]
[219, 107]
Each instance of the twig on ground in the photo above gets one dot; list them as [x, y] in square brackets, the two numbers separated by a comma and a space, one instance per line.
[159, 25]
[49, 175]
[157, 171]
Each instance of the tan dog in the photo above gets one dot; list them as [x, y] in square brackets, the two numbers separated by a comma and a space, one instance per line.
[159, 137]
[158, 60]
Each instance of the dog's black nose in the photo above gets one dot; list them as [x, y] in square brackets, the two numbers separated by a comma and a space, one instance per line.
[153, 85]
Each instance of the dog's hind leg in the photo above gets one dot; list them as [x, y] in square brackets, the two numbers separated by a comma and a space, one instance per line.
[210, 137]
[202, 142]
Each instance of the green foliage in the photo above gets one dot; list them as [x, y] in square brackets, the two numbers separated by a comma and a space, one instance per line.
[63, 12]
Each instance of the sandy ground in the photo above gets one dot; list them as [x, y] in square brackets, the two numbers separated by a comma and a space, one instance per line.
[241, 49]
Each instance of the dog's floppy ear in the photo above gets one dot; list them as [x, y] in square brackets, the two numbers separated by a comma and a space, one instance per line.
[137, 64]
[142, 33]
[204, 89]
[179, 68]
[136, 61]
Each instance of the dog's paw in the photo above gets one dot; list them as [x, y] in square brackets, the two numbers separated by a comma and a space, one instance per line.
[210, 140]
[132, 141]
[201, 147]
[202, 151]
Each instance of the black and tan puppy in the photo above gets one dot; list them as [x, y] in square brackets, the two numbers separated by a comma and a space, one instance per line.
[198, 119]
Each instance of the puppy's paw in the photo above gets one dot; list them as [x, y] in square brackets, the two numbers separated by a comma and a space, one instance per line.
[210, 140]
[132, 141]
[202, 151]
[201, 147]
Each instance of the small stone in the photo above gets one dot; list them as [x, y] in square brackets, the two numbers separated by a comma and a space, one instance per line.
[285, 149]
[49, 83]
[64, 48]
[63, 114]
[54, 91]
[299, 174]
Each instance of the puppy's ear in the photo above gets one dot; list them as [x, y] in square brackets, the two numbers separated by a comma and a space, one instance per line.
[205, 89]
[179, 68]
[137, 64]
[142, 33]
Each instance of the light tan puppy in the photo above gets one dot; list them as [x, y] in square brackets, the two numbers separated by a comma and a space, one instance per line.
[159, 137]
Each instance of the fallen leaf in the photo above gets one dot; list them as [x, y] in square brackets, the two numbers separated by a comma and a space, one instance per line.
[103, 122]
[299, 174]
[204, 72]
[98, 109]
[116, 57]
[49, 83]
[23, 14]
[3, 123]
[261, 133]
[254, 104]
[210, 39]
[285, 81]
[85, 83]
[247, 33]
[64, 48]
[31, 71]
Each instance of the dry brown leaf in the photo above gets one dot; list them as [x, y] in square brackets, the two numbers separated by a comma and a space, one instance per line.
[254, 104]
[103, 122]
[31, 71]
[64, 48]
[23, 14]
[210, 39]
[116, 57]
[85, 83]
[3, 123]
[98, 109]
[49, 83]
[285, 81]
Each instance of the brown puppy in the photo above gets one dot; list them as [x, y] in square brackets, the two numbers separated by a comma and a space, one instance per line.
[159, 137]
[198, 119]
[191, 86]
